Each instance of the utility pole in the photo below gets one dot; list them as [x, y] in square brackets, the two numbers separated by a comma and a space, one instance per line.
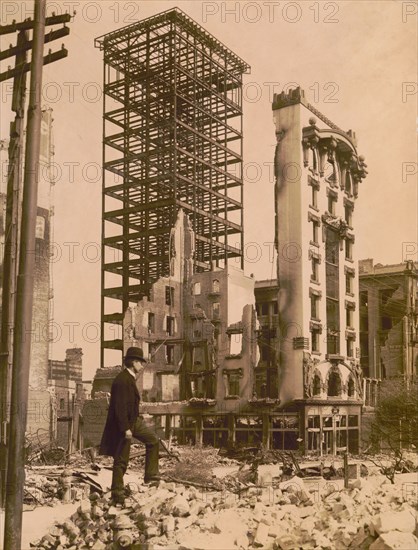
[17, 314]
[11, 252]
[24, 297]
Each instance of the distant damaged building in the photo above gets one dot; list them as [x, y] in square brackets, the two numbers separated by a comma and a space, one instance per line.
[389, 320]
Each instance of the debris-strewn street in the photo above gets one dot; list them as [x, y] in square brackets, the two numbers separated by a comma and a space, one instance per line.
[221, 503]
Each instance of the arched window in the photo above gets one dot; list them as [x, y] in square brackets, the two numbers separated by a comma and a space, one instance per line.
[350, 388]
[316, 385]
[215, 285]
[334, 384]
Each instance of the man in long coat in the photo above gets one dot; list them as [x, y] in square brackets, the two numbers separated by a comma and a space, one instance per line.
[123, 423]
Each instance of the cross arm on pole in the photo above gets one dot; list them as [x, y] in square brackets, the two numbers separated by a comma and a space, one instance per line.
[25, 67]
[52, 35]
[29, 23]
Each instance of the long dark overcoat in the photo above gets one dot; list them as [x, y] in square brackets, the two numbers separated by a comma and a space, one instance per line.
[122, 414]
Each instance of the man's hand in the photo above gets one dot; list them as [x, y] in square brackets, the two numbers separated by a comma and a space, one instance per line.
[128, 434]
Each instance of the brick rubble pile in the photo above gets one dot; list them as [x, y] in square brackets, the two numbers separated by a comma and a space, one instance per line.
[372, 514]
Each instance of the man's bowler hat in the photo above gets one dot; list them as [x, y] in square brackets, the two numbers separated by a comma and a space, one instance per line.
[135, 353]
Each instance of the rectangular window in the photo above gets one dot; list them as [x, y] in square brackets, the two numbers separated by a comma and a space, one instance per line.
[327, 422]
[233, 384]
[169, 354]
[169, 295]
[333, 326]
[315, 232]
[62, 404]
[314, 307]
[333, 314]
[314, 201]
[151, 322]
[350, 347]
[348, 249]
[349, 317]
[275, 308]
[152, 348]
[170, 326]
[332, 202]
[235, 343]
[333, 343]
[197, 289]
[349, 286]
[332, 281]
[314, 421]
[348, 214]
[315, 270]
[216, 310]
[264, 308]
[315, 339]
[332, 291]
[332, 247]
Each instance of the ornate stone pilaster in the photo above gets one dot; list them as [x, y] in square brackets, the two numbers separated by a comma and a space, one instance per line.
[358, 171]
[357, 373]
[310, 140]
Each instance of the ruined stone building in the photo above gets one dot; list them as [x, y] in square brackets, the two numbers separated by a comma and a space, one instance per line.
[388, 320]
[199, 333]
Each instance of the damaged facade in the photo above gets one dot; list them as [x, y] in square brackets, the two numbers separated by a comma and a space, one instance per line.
[318, 172]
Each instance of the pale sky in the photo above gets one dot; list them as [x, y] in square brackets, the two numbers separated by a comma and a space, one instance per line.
[357, 62]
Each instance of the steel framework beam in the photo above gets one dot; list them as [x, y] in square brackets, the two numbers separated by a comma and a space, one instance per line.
[172, 138]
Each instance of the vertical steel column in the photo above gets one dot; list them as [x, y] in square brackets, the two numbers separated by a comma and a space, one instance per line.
[102, 273]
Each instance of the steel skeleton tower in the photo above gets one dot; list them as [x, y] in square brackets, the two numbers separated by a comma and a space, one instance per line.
[172, 138]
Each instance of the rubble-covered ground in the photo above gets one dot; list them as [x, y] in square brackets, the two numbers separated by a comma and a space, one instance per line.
[207, 502]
